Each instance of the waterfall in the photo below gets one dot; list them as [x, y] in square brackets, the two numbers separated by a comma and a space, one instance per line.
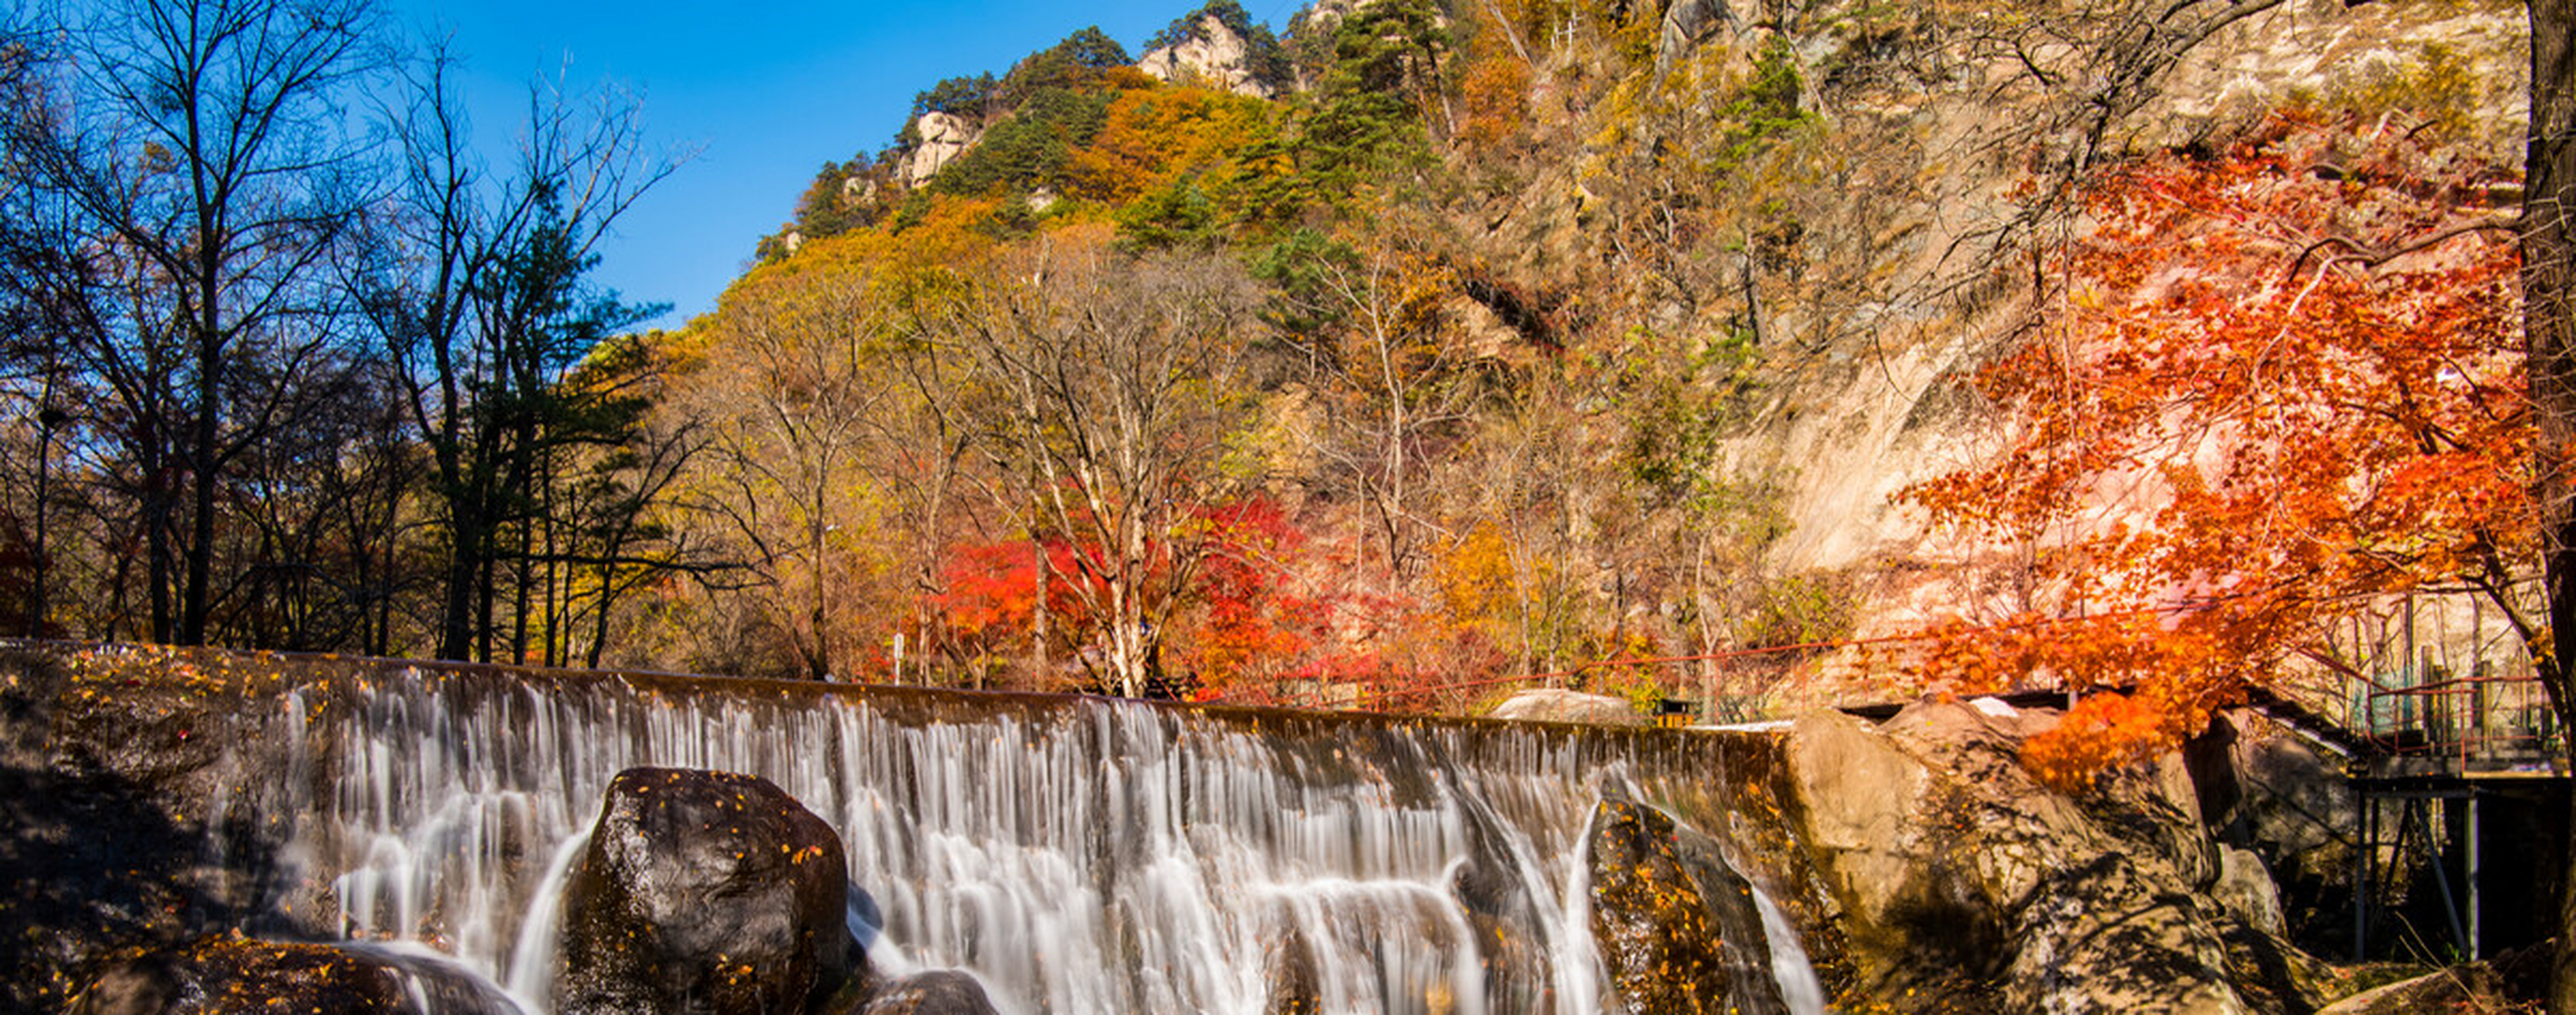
[1075, 855]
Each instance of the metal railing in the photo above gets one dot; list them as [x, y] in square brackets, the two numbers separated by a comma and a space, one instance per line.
[2459, 724]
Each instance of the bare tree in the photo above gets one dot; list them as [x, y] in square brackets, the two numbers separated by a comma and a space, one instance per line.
[481, 299]
[1394, 379]
[788, 397]
[1113, 386]
[205, 157]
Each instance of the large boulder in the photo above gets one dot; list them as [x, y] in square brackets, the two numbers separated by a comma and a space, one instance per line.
[239, 975]
[1964, 884]
[1547, 704]
[707, 893]
[2284, 796]
[1678, 927]
[941, 992]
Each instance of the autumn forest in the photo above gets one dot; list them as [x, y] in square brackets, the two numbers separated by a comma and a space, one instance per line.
[1401, 353]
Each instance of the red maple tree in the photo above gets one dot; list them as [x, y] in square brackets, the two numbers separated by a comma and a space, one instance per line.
[2280, 381]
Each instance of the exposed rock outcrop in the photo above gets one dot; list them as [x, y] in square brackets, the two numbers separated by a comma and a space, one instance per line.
[1212, 54]
[707, 892]
[1965, 884]
[1552, 705]
[1687, 24]
[944, 137]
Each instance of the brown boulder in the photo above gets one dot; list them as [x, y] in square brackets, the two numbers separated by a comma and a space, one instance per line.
[220, 976]
[707, 892]
[1964, 884]
[942, 992]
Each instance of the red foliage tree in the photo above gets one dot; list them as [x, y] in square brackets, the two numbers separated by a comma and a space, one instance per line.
[2282, 381]
[1251, 621]
[988, 598]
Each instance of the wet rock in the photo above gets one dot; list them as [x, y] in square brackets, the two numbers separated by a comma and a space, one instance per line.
[704, 892]
[1677, 926]
[104, 801]
[1293, 987]
[1551, 705]
[1502, 914]
[1965, 885]
[227, 975]
[941, 992]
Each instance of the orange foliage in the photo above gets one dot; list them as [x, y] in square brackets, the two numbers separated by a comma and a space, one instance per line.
[1155, 136]
[2283, 381]
[1495, 91]
[1251, 624]
[988, 595]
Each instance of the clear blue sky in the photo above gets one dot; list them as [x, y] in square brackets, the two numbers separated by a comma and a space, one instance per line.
[765, 90]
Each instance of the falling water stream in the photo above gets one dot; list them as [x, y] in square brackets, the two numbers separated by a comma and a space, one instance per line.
[1074, 855]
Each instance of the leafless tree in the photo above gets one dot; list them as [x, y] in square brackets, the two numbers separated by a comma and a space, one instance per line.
[788, 397]
[207, 180]
[1113, 386]
[479, 295]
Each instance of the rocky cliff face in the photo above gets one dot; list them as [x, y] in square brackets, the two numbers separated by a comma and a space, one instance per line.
[944, 137]
[1214, 56]
[1877, 269]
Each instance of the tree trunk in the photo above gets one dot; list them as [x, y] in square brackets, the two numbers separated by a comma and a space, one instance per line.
[1039, 664]
[156, 536]
[193, 604]
[2550, 334]
[47, 419]
[456, 618]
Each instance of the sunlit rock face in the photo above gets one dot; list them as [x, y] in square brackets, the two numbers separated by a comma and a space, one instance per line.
[1964, 883]
[1214, 56]
[944, 137]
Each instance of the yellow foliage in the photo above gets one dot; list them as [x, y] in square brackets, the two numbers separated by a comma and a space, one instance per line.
[1155, 136]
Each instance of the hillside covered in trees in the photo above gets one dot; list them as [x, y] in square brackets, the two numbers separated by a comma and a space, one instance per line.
[1408, 346]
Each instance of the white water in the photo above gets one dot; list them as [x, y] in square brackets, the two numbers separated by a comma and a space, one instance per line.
[1076, 857]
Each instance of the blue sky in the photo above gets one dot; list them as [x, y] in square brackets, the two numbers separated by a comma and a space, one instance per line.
[765, 91]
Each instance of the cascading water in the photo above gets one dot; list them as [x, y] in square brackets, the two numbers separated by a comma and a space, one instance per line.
[1077, 856]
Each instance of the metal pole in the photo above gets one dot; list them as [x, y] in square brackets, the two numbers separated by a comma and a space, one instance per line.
[2441, 871]
[2472, 849]
[2361, 888]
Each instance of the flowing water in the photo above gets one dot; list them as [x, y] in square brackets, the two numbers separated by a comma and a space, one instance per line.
[1075, 855]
